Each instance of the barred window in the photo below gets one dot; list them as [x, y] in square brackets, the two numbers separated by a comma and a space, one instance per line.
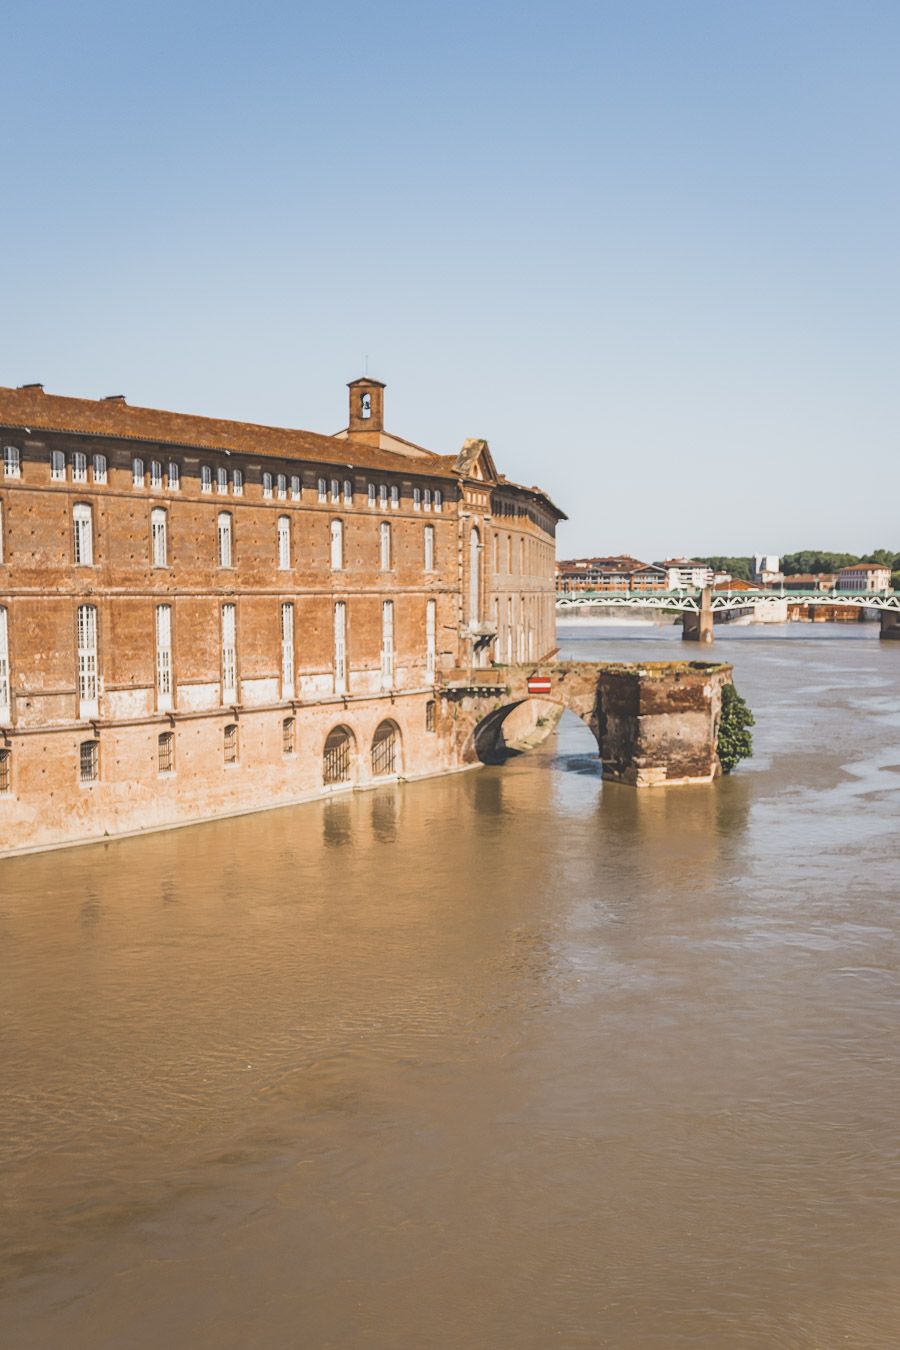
[231, 743]
[89, 761]
[99, 468]
[287, 736]
[166, 752]
[5, 770]
[57, 466]
[430, 719]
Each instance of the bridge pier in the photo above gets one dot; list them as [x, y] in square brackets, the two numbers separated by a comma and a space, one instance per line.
[890, 623]
[698, 623]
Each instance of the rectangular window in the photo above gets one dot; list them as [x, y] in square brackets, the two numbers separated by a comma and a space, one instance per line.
[229, 654]
[395, 496]
[205, 478]
[281, 487]
[348, 492]
[225, 540]
[287, 651]
[221, 481]
[99, 468]
[166, 752]
[5, 770]
[12, 462]
[174, 476]
[426, 499]
[267, 484]
[89, 761]
[57, 466]
[417, 499]
[230, 743]
[322, 490]
[88, 684]
[438, 499]
[158, 542]
[237, 482]
[430, 640]
[79, 467]
[335, 490]
[371, 494]
[83, 532]
[429, 715]
[295, 488]
[382, 496]
[287, 736]
[385, 546]
[337, 545]
[340, 648]
[284, 543]
[156, 473]
[387, 644]
[429, 548]
[5, 700]
[164, 657]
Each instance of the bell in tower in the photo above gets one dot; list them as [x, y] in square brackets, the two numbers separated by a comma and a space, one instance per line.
[366, 406]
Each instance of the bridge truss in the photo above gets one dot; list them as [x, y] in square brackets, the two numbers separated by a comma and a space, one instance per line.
[683, 601]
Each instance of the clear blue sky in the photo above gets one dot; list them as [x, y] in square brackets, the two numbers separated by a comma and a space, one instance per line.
[648, 248]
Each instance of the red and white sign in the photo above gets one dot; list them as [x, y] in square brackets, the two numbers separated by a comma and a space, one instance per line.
[539, 684]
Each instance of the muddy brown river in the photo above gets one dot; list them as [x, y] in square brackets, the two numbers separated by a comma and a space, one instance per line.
[506, 1060]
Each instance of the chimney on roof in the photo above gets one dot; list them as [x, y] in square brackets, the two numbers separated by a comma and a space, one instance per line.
[38, 387]
[366, 405]
[113, 398]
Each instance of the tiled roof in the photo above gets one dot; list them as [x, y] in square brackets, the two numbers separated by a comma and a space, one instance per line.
[32, 409]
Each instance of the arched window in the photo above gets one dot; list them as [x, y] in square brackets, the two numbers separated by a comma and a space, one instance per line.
[222, 481]
[295, 487]
[83, 534]
[174, 475]
[99, 468]
[281, 486]
[386, 750]
[370, 494]
[337, 545]
[337, 758]
[79, 467]
[348, 492]
[474, 578]
[165, 752]
[156, 473]
[226, 552]
[137, 473]
[12, 461]
[5, 706]
[267, 484]
[284, 543]
[158, 537]
[237, 482]
[438, 499]
[335, 489]
[322, 489]
[205, 478]
[365, 407]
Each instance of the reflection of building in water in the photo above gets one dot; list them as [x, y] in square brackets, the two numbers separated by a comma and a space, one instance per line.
[202, 617]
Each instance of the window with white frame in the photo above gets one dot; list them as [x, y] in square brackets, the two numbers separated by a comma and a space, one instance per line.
[205, 478]
[99, 468]
[83, 534]
[337, 545]
[221, 480]
[387, 644]
[164, 657]
[174, 476]
[438, 499]
[371, 494]
[430, 640]
[395, 496]
[79, 467]
[156, 473]
[382, 496]
[429, 548]
[426, 499]
[417, 499]
[12, 462]
[348, 492]
[322, 489]
[57, 466]
[159, 547]
[88, 679]
[2, 540]
[237, 482]
[385, 546]
[226, 549]
[5, 699]
[335, 490]
[340, 648]
[137, 472]
[284, 543]
[281, 486]
[296, 490]
[267, 484]
[229, 654]
[287, 651]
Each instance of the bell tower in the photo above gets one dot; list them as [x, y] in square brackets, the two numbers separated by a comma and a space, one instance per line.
[366, 406]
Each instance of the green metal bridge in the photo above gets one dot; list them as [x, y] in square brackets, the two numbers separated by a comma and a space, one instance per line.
[724, 601]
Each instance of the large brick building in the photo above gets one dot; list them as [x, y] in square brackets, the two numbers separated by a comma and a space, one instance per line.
[201, 617]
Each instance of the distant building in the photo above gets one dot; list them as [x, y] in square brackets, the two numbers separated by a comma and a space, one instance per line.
[767, 569]
[810, 581]
[617, 574]
[686, 574]
[864, 577]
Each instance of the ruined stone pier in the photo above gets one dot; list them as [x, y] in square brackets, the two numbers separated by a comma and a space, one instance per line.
[656, 723]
